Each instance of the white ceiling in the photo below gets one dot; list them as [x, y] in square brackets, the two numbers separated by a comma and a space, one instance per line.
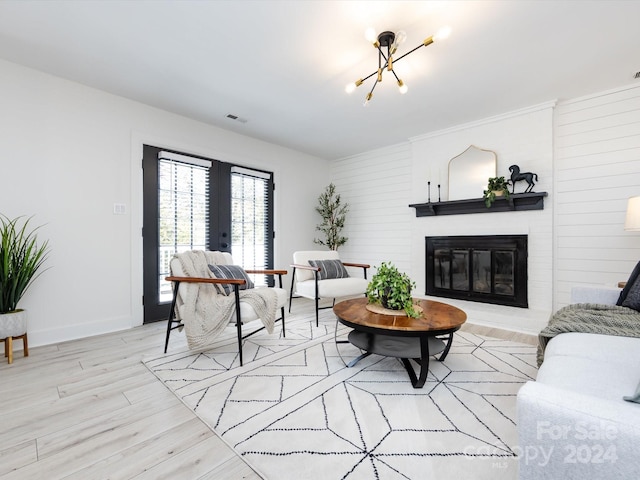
[283, 65]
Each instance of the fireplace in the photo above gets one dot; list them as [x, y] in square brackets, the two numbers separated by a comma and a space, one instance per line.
[486, 268]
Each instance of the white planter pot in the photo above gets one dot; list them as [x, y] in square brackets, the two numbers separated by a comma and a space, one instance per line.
[13, 324]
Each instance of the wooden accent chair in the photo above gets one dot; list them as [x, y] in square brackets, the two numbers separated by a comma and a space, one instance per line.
[243, 312]
[324, 279]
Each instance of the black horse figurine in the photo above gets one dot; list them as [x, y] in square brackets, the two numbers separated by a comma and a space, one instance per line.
[516, 176]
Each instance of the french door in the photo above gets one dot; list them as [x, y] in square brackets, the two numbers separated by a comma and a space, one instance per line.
[195, 203]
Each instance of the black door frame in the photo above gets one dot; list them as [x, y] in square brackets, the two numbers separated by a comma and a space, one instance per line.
[219, 223]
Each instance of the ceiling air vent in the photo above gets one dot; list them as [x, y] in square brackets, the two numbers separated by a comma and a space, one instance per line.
[231, 116]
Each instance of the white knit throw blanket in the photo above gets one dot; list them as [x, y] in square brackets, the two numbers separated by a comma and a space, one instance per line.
[204, 312]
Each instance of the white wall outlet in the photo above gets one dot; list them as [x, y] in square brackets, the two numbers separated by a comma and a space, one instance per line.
[119, 209]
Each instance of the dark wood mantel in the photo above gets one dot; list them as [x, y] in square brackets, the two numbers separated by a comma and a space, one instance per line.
[515, 202]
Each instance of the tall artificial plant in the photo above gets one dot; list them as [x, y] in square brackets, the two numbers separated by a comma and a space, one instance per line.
[333, 214]
[21, 258]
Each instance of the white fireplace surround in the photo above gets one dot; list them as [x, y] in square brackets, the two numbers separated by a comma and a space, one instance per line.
[523, 138]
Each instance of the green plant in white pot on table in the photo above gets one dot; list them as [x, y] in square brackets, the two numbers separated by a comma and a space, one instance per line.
[21, 260]
[392, 290]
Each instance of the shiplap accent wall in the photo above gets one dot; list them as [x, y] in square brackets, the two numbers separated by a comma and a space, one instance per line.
[597, 168]
[586, 152]
[523, 138]
[379, 185]
[376, 186]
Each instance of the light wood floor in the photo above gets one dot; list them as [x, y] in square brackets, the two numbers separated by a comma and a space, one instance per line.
[89, 409]
[499, 333]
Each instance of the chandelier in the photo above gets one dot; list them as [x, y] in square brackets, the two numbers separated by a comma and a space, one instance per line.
[390, 41]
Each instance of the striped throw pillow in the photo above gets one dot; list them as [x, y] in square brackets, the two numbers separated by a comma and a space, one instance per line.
[329, 269]
[230, 272]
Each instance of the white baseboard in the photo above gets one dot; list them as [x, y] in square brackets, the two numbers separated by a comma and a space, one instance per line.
[80, 330]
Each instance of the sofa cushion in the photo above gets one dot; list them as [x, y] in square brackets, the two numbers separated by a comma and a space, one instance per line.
[611, 349]
[605, 366]
[329, 269]
[630, 294]
[633, 296]
[333, 287]
[230, 272]
[589, 377]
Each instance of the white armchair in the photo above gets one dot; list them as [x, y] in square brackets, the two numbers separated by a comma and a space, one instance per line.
[213, 303]
[316, 282]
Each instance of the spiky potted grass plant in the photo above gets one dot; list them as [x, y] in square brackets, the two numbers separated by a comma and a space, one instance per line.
[21, 260]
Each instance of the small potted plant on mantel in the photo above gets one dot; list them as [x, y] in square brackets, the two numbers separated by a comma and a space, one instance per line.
[21, 258]
[392, 290]
[496, 187]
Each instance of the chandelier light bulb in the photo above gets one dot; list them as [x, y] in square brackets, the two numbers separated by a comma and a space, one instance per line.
[402, 87]
[370, 35]
[353, 85]
[401, 36]
[442, 34]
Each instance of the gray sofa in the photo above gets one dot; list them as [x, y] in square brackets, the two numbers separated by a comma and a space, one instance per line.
[572, 421]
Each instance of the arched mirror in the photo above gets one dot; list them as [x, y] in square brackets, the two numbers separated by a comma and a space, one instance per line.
[469, 172]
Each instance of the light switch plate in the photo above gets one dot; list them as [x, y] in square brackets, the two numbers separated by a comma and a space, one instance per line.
[119, 209]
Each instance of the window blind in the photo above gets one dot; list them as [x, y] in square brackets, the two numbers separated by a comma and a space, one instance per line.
[183, 196]
[250, 219]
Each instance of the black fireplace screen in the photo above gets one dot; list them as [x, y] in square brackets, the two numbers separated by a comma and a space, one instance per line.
[490, 268]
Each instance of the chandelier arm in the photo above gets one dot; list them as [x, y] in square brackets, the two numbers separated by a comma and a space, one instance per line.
[394, 73]
[410, 51]
[387, 63]
[373, 88]
[386, 60]
[364, 79]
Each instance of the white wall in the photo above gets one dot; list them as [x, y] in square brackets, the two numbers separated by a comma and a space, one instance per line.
[378, 224]
[70, 152]
[586, 152]
[597, 163]
[381, 184]
[523, 138]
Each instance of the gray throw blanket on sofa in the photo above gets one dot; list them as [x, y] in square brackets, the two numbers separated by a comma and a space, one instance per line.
[590, 318]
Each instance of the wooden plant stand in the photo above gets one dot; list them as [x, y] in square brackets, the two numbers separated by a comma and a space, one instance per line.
[8, 346]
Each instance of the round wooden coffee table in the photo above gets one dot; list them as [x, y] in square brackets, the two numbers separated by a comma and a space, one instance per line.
[401, 336]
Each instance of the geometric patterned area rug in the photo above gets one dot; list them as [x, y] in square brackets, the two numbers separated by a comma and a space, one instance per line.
[294, 410]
